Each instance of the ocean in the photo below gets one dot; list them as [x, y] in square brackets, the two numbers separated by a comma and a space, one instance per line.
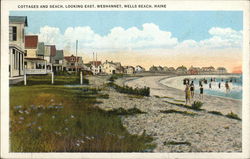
[235, 85]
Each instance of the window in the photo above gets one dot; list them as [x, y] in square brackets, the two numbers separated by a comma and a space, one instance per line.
[12, 33]
[72, 64]
[25, 52]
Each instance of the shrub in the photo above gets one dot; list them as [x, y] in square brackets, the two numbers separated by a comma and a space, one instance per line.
[233, 116]
[197, 105]
[177, 143]
[178, 112]
[114, 77]
[215, 112]
[130, 90]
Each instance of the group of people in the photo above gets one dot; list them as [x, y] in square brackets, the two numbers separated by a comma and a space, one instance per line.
[189, 89]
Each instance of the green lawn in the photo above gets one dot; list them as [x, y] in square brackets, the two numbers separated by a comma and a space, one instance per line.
[55, 118]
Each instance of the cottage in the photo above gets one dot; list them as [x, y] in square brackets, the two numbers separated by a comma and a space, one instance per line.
[221, 70]
[153, 69]
[72, 63]
[129, 69]
[49, 53]
[139, 69]
[33, 63]
[17, 26]
[181, 70]
[112, 67]
[171, 69]
[57, 60]
[96, 67]
[194, 70]
[208, 70]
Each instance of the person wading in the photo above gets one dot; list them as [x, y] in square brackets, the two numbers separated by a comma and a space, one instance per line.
[192, 89]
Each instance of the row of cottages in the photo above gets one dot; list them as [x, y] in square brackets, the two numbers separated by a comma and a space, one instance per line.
[162, 69]
[110, 67]
[27, 55]
[207, 70]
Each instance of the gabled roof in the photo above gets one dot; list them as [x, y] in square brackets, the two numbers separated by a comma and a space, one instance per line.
[59, 55]
[31, 41]
[71, 58]
[40, 48]
[52, 50]
[18, 19]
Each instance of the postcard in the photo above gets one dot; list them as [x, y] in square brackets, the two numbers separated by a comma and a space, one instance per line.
[125, 79]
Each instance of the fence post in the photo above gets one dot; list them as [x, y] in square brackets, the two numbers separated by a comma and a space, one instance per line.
[81, 77]
[52, 78]
[25, 78]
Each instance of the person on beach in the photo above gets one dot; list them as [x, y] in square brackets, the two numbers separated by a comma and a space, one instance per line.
[227, 87]
[201, 91]
[192, 89]
[210, 85]
[200, 82]
[187, 94]
[219, 85]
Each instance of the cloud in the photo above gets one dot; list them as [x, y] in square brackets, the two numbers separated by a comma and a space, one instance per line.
[149, 37]
[220, 38]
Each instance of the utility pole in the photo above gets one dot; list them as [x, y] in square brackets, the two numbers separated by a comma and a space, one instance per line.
[76, 64]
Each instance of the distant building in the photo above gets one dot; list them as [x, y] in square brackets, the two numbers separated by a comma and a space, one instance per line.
[110, 67]
[159, 69]
[72, 63]
[181, 70]
[49, 53]
[153, 69]
[17, 26]
[129, 69]
[171, 69]
[194, 70]
[33, 63]
[165, 69]
[221, 70]
[96, 67]
[208, 70]
[139, 69]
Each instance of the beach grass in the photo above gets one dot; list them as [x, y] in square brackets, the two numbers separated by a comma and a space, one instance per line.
[178, 112]
[178, 100]
[130, 90]
[232, 116]
[55, 118]
[122, 111]
[215, 113]
[177, 143]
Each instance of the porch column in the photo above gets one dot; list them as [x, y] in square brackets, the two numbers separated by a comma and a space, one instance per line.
[45, 66]
[11, 62]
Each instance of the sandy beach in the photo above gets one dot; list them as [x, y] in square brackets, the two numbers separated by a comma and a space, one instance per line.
[201, 132]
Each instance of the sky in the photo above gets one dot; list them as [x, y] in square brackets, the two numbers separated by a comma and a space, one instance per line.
[167, 38]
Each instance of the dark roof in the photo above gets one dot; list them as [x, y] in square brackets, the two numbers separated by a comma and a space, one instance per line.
[52, 50]
[71, 58]
[40, 48]
[18, 19]
[59, 55]
[31, 41]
